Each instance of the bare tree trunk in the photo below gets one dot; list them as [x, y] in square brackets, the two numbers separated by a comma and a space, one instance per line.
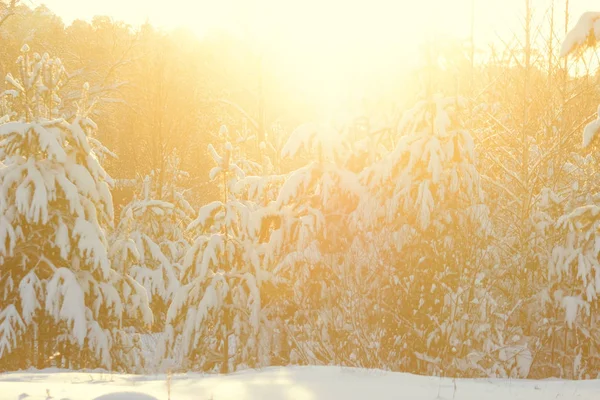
[472, 45]
[551, 44]
[226, 312]
[525, 175]
[261, 103]
[41, 356]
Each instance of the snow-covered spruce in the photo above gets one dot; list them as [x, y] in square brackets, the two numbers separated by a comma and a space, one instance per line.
[566, 217]
[423, 237]
[307, 245]
[150, 238]
[571, 218]
[62, 301]
[217, 316]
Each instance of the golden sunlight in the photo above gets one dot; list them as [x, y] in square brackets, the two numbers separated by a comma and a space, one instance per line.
[309, 199]
[330, 50]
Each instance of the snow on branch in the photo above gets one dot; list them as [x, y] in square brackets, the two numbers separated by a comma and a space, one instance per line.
[10, 325]
[585, 34]
[590, 130]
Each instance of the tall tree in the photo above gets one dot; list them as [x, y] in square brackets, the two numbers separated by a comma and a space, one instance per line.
[61, 293]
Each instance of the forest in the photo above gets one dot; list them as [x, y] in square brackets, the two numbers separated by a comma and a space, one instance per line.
[168, 203]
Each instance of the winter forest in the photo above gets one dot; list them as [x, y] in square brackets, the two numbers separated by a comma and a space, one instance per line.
[170, 202]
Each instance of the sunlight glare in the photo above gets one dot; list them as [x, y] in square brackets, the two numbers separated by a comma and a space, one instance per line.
[331, 51]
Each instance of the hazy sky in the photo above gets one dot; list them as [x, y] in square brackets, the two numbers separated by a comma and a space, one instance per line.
[403, 19]
[314, 40]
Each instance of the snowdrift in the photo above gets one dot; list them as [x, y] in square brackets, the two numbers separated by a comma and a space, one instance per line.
[297, 383]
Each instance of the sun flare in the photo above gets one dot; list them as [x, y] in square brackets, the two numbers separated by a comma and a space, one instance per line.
[334, 52]
[331, 50]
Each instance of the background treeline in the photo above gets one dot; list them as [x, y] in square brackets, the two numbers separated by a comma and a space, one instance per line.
[452, 235]
[159, 91]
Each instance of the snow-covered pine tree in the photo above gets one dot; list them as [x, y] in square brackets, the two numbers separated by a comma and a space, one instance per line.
[150, 242]
[307, 241]
[62, 301]
[426, 220]
[217, 316]
[569, 215]
[304, 227]
[569, 219]
[152, 231]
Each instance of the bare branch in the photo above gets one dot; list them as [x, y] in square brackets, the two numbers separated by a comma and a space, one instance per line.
[9, 11]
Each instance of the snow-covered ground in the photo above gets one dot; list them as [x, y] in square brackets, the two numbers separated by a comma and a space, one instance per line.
[298, 383]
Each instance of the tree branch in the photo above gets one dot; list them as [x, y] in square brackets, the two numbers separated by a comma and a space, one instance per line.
[10, 11]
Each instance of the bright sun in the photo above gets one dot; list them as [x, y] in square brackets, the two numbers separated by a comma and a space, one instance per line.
[334, 49]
